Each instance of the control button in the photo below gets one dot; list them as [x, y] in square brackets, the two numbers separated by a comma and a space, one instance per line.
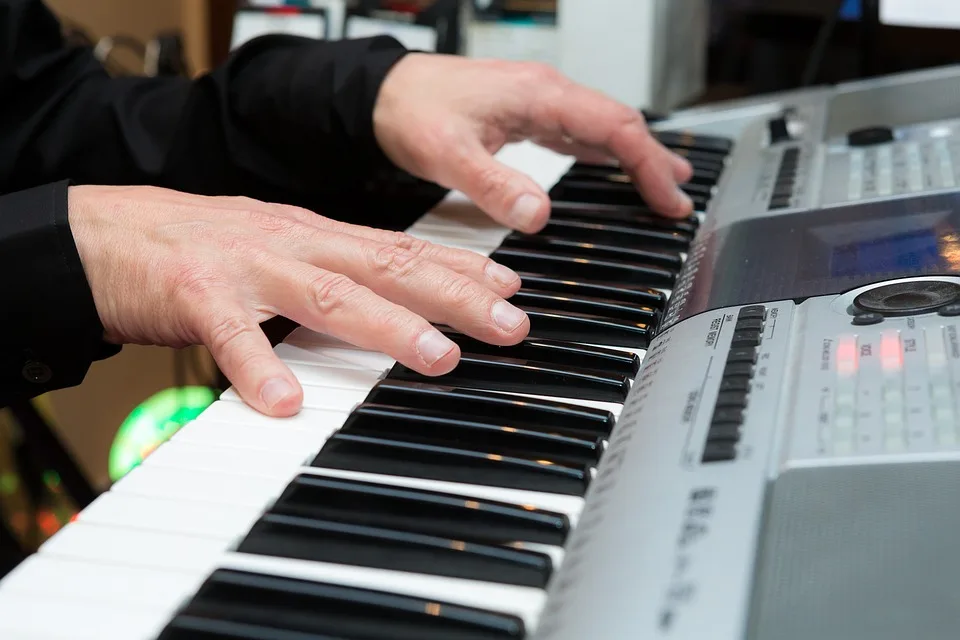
[895, 442]
[755, 311]
[732, 399]
[783, 202]
[745, 339]
[843, 421]
[735, 383]
[950, 310]
[947, 436]
[728, 415]
[742, 355]
[724, 432]
[892, 395]
[845, 399]
[719, 452]
[940, 391]
[36, 372]
[869, 136]
[893, 418]
[843, 446]
[738, 369]
[749, 324]
[778, 130]
[864, 319]
[908, 298]
[943, 415]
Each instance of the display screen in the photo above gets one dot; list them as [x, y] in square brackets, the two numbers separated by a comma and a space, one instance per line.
[825, 252]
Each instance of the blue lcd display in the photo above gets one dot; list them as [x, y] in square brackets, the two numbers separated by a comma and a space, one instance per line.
[905, 252]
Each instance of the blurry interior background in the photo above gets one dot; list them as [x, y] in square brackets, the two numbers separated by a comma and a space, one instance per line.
[59, 451]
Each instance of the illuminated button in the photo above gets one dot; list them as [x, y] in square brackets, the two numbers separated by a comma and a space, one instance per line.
[893, 418]
[943, 415]
[940, 392]
[947, 435]
[892, 395]
[895, 442]
[843, 446]
[845, 399]
[844, 421]
[891, 353]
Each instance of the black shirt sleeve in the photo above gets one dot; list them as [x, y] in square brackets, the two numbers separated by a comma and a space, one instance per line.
[286, 119]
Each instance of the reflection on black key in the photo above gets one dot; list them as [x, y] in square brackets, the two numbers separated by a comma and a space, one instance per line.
[247, 606]
[697, 141]
[620, 236]
[430, 512]
[639, 218]
[357, 545]
[600, 307]
[427, 426]
[487, 404]
[560, 354]
[451, 464]
[666, 254]
[630, 294]
[605, 269]
[587, 328]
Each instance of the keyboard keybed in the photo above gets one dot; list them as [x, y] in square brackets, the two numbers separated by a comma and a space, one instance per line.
[394, 505]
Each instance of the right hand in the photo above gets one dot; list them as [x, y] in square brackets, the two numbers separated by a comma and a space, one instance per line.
[172, 269]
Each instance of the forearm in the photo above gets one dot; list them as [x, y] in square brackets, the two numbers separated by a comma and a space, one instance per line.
[285, 119]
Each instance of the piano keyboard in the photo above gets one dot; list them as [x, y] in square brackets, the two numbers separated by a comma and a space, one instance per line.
[393, 505]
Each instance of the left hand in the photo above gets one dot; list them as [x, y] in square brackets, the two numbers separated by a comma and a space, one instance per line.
[442, 118]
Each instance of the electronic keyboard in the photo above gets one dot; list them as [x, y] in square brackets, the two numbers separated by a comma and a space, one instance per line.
[740, 425]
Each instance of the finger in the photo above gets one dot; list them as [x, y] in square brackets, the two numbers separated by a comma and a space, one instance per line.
[508, 196]
[682, 169]
[496, 277]
[331, 303]
[245, 356]
[595, 120]
[582, 152]
[426, 288]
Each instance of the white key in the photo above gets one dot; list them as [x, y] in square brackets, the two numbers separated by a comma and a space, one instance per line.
[293, 354]
[258, 437]
[123, 586]
[226, 460]
[240, 413]
[201, 486]
[38, 617]
[163, 515]
[197, 556]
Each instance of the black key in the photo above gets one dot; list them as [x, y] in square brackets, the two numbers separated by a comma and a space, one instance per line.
[356, 545]
[694, 141]
[607, 269]
[668, 255]
[582, 304]
[486, 404]
[620, 236]
[544, 351]
[639, 218]
[430, 512]
[451, 464]
[432, 427]
[240, 605]
[522, 376]
[696, 189]
[591, 329]
[720, 451]
[706, 174]
[724, 432]
[631, 294]
[609, 193]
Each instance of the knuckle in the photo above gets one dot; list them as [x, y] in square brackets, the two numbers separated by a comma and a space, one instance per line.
[460, 293]
[193, 280]
[411, 244]
[271, 222]
[330, 291]
[538, 72]
[394, 260]
[227, 331]
[494, 184]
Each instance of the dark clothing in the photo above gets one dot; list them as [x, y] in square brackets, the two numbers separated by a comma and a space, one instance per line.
[286, 119]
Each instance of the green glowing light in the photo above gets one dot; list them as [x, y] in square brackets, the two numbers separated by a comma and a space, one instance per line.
[154, 422]
[9, 483]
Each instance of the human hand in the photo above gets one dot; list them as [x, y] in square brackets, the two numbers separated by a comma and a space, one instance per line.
[442, 117]
[173, 269]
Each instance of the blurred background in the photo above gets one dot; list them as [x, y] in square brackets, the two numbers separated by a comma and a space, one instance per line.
[61, 450]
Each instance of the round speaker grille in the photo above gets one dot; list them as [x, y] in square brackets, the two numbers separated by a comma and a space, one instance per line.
[907, 298]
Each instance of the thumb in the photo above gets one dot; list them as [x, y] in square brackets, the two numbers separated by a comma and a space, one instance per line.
[245, 356]
[506, 195]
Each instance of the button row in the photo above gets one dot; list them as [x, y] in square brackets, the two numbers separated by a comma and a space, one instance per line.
[786, 179]
[725, 427]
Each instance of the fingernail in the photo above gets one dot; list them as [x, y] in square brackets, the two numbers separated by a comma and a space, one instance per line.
[275, 391]
[524, 210]
[433, 345]
[501, 275]
[507, 316]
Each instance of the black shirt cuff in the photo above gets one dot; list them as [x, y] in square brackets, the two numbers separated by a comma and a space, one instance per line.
[51, 329]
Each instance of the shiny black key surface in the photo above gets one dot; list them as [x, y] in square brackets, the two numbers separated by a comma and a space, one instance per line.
[488, 404]
[601, 307]
[638, 295]
[241, 605]
[426, 426]
[451, 464]
[553, 352]
[621, 236]
[640, 218]
[588, 328]
[694, 141]
[663, 250]
[356, 545]
[570, 266]
[420, 511]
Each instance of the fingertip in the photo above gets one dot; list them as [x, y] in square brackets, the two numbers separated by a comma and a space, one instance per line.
[437, 353]
[529, 213]
[682, 169]
[281, 397]
[505, 280]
